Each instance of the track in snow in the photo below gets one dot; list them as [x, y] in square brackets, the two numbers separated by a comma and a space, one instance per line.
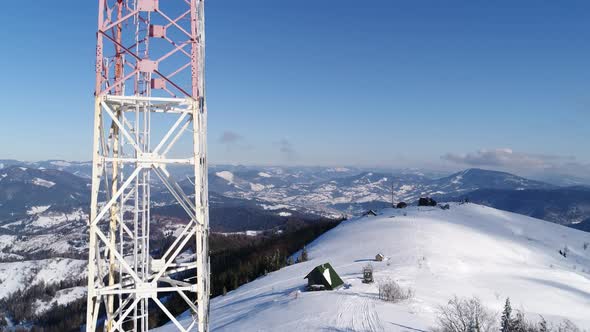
[356, 313]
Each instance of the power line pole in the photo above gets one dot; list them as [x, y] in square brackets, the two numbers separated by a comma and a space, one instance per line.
[150, 59]
[392, 204]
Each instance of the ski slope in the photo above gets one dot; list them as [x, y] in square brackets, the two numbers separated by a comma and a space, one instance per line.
[469, 250]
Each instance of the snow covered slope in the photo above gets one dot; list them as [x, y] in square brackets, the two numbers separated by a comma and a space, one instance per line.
[469, 250]
[20, 275]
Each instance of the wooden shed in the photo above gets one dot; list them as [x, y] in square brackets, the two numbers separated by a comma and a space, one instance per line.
[370, 213]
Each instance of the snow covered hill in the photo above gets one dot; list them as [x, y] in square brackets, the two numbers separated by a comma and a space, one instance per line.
[23, 190]
[18, 276]
[469, 250]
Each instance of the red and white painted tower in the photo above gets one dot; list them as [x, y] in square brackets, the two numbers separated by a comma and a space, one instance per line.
[149, 93]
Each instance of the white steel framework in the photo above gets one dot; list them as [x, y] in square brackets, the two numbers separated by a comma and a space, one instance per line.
[149, 62]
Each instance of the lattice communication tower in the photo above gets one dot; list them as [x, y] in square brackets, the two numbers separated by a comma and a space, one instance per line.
[150, 116]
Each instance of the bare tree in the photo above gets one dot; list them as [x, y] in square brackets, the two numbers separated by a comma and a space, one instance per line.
[568, 326]
[469, 315]
[465, 315]
[391, 291]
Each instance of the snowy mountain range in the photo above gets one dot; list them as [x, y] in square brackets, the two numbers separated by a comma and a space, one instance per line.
[355, 191]
[469, 250]
[24, 188]
[295, 191]
[43, 207]
[566, 206]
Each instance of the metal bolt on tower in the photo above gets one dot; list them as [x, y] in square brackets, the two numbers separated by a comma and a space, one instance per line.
[149, 95]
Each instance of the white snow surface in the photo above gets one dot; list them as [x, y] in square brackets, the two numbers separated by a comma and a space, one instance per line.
[61, 163]
[274, 207]
[19, 275]
[62, 297]
[6, 240]
[52, 219]
[256, 186]
[38, 209]
[226, 175]
[469, 250]
[338, 169]
[247, 233]
[43, 183]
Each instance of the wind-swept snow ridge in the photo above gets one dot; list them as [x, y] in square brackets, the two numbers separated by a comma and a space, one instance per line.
[469, 250]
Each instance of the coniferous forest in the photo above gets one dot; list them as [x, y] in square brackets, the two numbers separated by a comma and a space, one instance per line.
[235, 260]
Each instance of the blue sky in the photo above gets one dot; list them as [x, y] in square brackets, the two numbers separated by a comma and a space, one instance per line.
[388, 83]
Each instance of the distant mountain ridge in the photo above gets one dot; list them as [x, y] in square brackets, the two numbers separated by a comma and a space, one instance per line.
[22, 188]
[300, 191]
[353, 192]
[476, 178]
[566, 206]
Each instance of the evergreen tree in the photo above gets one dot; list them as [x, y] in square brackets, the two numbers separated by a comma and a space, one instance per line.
[506, 320]
[518, 323]
[543, 325]
[304, 255]
[477, 324]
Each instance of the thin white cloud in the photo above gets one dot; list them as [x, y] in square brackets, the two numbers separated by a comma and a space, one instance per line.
[497, 157]
[525, 162]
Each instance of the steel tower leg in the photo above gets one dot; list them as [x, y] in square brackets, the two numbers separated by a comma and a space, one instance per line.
[138, 78]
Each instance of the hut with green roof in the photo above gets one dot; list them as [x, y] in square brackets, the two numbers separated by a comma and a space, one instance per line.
[323, 277]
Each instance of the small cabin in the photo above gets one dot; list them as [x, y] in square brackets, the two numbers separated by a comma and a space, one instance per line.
[426, 201]
[379, 257]
[370, 213]
[323, 277]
